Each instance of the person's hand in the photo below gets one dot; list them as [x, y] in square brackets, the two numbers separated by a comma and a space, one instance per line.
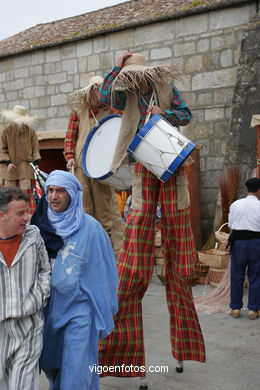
[70, 163]
[157, 110]
[121, 59]
[10, 166]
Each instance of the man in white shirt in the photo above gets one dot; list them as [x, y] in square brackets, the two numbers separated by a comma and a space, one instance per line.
[244, 220]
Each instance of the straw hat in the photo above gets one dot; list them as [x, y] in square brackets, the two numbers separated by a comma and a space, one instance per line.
[81, 97]
[135, 72]
[18, 115]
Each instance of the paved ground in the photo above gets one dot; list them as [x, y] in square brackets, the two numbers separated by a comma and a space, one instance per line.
[232, 347]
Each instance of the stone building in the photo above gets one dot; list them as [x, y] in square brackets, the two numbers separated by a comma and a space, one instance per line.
[215, 44]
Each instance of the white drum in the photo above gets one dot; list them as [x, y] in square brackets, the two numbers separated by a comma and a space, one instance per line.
[98, 153]
[160, 147]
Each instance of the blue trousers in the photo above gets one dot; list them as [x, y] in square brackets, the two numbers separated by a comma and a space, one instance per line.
[245, 255]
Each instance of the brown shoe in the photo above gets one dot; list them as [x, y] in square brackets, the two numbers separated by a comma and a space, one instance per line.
[252, 315]
[235, 313]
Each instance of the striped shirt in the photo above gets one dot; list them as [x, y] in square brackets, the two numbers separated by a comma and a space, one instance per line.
[179, 113]
[244, 214]
[25, 286]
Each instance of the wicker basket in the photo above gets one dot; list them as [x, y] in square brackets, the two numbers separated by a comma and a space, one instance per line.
[159, 260]
[160, 269]
[214, 258]
[222, 236]
[200, 273]
[215, 275]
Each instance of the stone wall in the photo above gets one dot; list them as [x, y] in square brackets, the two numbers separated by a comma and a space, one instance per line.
[205, 47]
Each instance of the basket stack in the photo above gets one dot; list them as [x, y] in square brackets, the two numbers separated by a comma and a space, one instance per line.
[216, 259]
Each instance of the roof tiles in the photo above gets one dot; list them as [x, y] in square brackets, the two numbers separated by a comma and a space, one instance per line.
[118, 17]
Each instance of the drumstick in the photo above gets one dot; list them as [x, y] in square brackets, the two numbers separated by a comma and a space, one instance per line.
[149, 110]
[72, 170]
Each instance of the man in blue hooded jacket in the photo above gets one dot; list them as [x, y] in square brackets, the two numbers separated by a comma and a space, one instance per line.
[84, 289]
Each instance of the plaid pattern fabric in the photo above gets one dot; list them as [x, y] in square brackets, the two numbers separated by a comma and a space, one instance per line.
[32, 203]
[179, 114]
[125, 345]
[71, 136]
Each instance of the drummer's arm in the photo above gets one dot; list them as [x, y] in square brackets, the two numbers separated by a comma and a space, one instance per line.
[71, 136]
[119, 97]
[179, 114]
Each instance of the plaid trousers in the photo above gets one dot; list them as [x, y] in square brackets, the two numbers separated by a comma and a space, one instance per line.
[125, 345]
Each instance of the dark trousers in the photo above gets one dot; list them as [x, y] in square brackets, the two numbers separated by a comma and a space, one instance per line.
[245, 255]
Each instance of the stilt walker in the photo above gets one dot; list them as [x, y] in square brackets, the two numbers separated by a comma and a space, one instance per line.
[131, 86]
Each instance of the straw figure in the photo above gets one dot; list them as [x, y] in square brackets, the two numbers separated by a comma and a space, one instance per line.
[19, 146]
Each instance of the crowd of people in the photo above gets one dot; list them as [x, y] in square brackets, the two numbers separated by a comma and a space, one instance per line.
[74, 273]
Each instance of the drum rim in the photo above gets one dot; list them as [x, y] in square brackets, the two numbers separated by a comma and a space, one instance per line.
[176, 163]
[87, 142]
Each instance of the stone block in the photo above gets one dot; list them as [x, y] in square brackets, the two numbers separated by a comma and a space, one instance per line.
[68, 51]
[204, 99]
[84, 79]
[21, 73]
[229, 17]
[57, 100]
[203, 45]
[214, 163]
[35, 70]
[2, 77]
[69, 66]
[184, 49]
[49, 68]
[163, 52]
[57, 78]
[44, 101]
[37, 58]
[11, 95]
[204, 142]
[154, 33]
[201, 130]
[226, 58]
[212, 114]
[28, 82]
[106, 61]
[214, 79]
[39, 91]
[121, 40]
[101, 44]
[82, 64]
[43, 80]
[56, 123]
[41, 112]
[84, 48]
[22, 61]
[192, 24]
[66, 88]
[52, 112]
[52, 55]
[93, 63]
[193, 64]
[223, 95]
[223, 41]
[17, 84]
[51, 89]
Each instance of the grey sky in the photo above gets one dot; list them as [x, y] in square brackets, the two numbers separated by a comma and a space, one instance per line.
[17, 15]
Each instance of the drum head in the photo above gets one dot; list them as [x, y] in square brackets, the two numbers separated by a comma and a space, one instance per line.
[99, 148]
